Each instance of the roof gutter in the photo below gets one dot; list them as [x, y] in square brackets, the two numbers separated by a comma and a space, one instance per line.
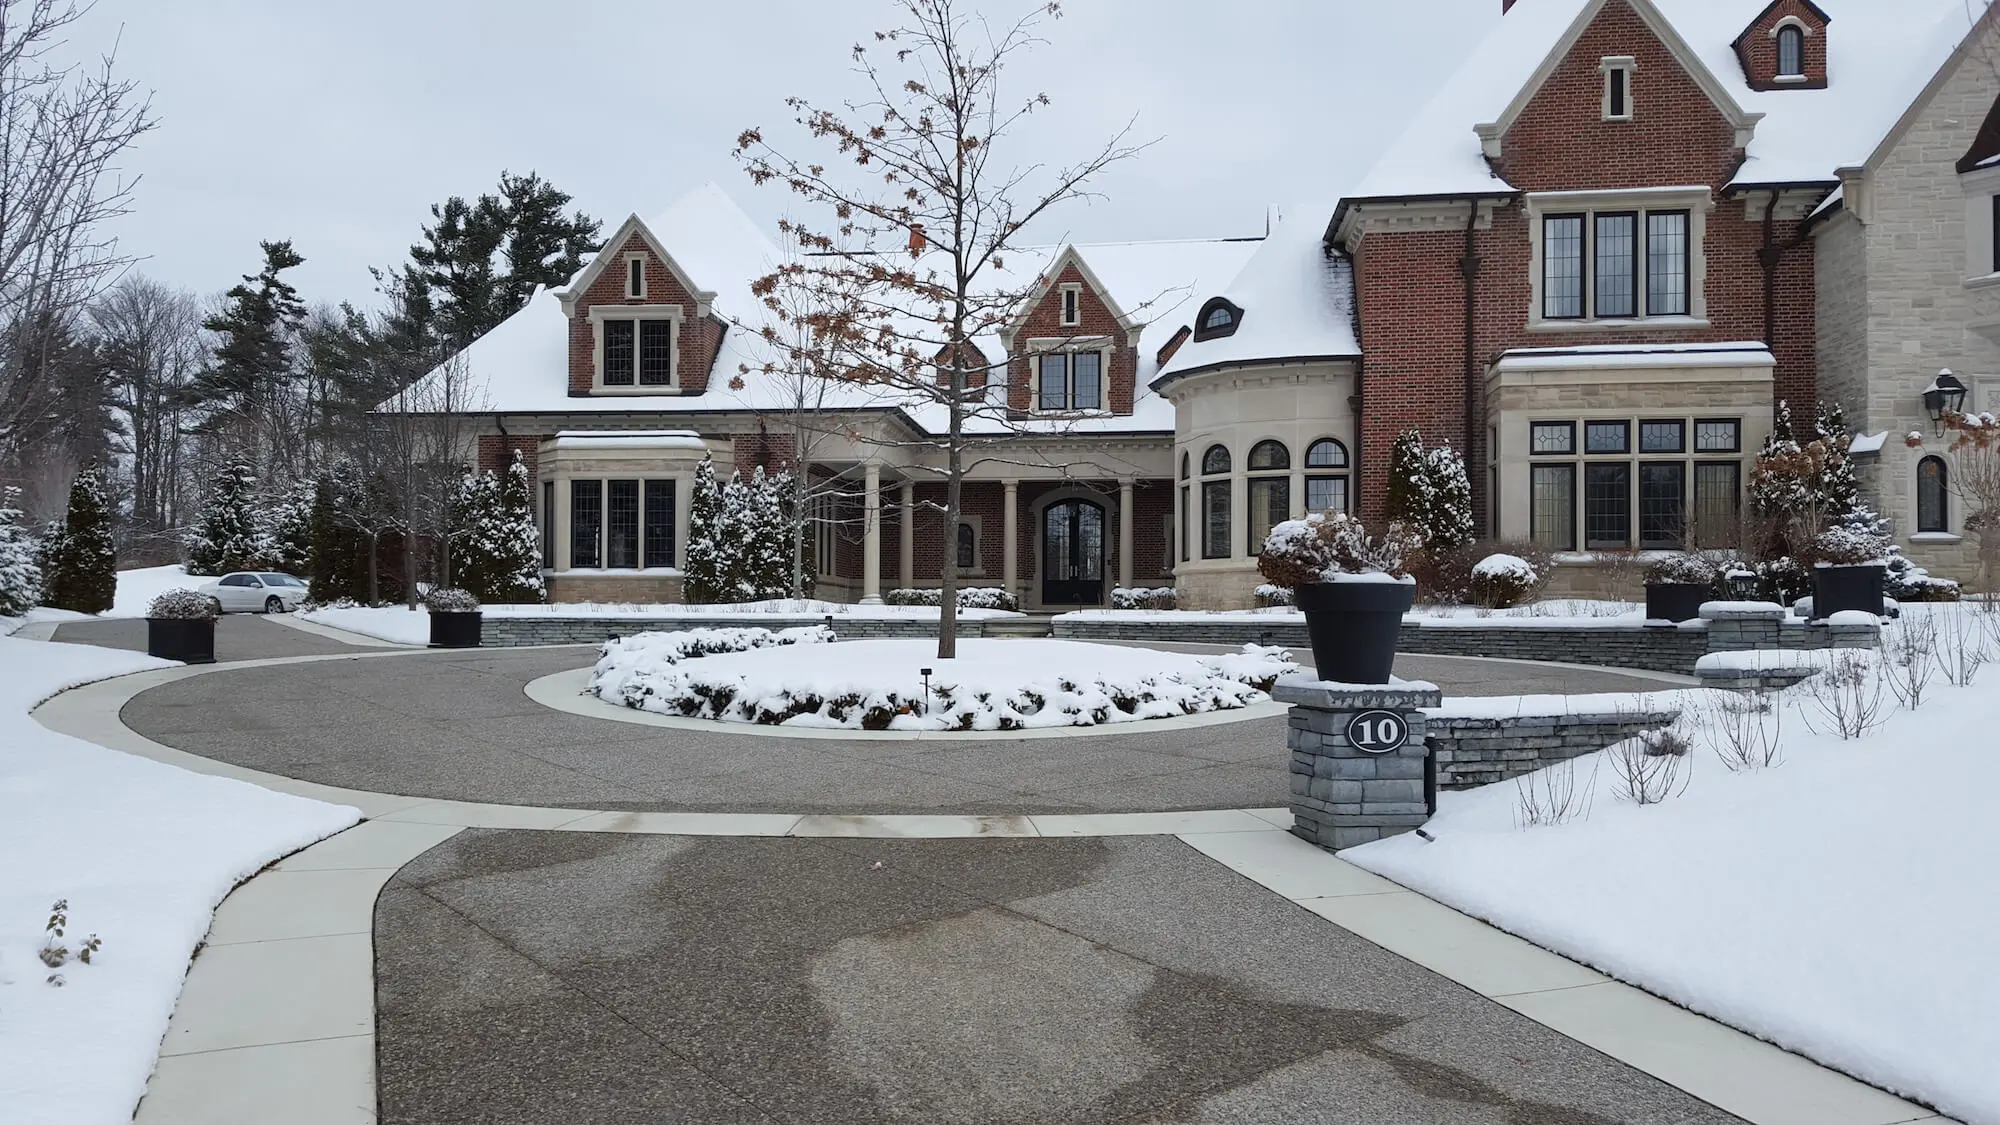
[1163, 381]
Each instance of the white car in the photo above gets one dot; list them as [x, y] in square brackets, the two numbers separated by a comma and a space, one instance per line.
[256, 591]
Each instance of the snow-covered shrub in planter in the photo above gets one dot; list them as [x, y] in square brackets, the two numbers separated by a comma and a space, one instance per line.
[1676, 586]
[1503, 581]
[1351, 586]
[455, 618]
[969, 597]
[1143, 597]
[180, 625]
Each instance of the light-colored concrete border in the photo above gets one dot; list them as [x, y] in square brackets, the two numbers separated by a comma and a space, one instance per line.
[345, 636]
[564, 691]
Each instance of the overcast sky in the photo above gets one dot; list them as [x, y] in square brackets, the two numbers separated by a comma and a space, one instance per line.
[337, 124]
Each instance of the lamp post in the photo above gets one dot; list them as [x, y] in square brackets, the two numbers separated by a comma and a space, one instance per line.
[926, 674]
[1945, 395]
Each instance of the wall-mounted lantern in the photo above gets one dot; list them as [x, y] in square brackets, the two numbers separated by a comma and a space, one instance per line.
[1945, 395]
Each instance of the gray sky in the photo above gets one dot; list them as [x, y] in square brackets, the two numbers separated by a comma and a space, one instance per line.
[337, 124]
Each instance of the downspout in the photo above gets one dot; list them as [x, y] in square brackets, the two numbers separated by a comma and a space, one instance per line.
[1468, 268]
[1770, 256]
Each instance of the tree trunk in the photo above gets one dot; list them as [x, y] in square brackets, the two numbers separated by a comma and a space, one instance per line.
[374, 568]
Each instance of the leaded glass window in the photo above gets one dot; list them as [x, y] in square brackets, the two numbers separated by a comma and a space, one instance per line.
[1562, 267]
[1616, 265]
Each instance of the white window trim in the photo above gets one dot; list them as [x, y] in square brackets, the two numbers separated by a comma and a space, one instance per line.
[1980, 186]
[1630, 66]
[1069, 305]
[601, 313]
[1696, 201]
[641, 259]
[1102, 345]
[1791, 21]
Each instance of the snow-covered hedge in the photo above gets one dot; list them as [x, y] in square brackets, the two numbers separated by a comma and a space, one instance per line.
[626, 665]
[879, 685]
[1143, 597]
[969, 597]
[1269, 596]
[1503, 581]
[182, 605]
[450, 600]
[1685, 568]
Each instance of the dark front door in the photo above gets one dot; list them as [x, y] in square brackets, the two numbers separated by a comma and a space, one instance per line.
[1073, 553]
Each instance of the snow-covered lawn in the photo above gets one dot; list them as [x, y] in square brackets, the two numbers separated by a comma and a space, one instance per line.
[1841, 903]
[395, 623]
[142, 852]
[879, 684]
[1562, 612]
[137, 588]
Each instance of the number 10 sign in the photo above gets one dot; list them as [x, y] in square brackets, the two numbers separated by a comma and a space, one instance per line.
[1377, 732]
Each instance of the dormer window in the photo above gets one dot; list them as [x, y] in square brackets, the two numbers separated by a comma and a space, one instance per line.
[1072, 306]
[635, 277]
[1618, 87]
[635, 347]
[1070, 380]
[1218, 318]
[1791, 53]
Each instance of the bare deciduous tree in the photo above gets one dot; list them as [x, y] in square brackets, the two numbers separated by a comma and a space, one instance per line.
[151, 339]
[905, 270]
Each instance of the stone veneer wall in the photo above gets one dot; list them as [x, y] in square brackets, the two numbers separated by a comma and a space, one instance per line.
[507, 632]
[1480, 751]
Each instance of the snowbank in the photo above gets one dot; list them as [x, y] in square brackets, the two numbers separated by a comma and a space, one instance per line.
[137, 588]
[142, 852]
[1840, 904]
[992, 685]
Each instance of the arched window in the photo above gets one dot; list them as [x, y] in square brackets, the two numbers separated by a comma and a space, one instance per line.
[1791, 52]
[1215, 503]
[1270, 492]
[1186, 460]
[967, 549]
[1326, 476]
[1218, 318]
[1187, 500]
[1933, 497]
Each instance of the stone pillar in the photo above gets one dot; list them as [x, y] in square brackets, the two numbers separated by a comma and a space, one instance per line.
[871, 534]
[1125, 533]
[1010, 539]
[1344, 795]
[908, 526]
[1741, 626]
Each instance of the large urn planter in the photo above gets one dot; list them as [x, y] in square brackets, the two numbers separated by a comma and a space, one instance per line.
[190, 640]
[1836, 588]
[1354, 626]
[455, 629]
[1676, 601]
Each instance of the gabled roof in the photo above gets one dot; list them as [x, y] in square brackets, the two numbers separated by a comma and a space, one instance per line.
[1881, 53]
[1736, 44]
[584, 278]
[1068, 257]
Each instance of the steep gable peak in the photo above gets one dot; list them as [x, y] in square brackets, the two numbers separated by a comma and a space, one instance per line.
[617, 251]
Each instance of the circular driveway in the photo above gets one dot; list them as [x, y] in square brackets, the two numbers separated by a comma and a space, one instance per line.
[457, 725]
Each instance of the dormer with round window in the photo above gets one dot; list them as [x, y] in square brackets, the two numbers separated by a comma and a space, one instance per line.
[1785, 47]
[1218, 318]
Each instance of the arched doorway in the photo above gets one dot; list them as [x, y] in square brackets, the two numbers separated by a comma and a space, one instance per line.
[1073, 553]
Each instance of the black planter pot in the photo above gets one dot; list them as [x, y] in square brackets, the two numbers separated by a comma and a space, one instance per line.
[1676, 601]
[1354, 627]
[455, 630]
[190, 640]
[1847, 587]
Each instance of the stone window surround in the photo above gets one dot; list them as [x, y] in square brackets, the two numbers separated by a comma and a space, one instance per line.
[640, 292]
[1805, 32]
[1696, 201]
[1631, 456]
[683, 489]
[1069, 307]
[1628, 66]
[601, 313]
[1982, 246]
[1102, 345]
[622, 456]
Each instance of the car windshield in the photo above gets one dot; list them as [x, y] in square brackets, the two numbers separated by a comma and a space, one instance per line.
[280, 580]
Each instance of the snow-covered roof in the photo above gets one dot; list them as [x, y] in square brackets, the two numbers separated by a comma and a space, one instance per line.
[522, 366]
[1746, 353]
[627, 439]
[1297, 302]
[1881, 53]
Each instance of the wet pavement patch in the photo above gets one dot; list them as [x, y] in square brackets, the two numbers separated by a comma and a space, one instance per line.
[545, 976]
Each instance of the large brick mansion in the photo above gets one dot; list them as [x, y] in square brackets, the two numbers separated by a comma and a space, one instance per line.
[1596, 260]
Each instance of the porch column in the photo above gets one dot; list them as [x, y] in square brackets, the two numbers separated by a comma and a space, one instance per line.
[1010, 538]
[909, 530]
[1125, 533]
[871, 535]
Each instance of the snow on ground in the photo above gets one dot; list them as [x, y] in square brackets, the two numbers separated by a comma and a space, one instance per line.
[398, 624]
[1840, 903]
[143, 852]
[992, 685]
[138, 588]
[1556, 613]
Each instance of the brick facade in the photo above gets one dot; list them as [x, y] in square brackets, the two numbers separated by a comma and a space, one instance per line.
[1095, 318]
[1757, 49]
[496, 452]
[695, 342]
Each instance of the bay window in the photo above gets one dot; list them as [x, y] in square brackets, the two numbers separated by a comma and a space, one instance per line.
[1612, 492]
[618, 524]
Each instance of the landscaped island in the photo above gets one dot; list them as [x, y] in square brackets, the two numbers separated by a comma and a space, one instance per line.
[764, 677]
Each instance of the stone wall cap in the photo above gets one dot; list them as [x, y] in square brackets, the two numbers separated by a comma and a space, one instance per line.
[1743, 611]
[1327, 695]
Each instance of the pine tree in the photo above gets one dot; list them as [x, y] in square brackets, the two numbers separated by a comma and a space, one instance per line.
[334, 549]
[1839, 491]
[704, 578]
[455, 281]
[513, 543]
[736, 542]
[291, 535]
[82, 569]
[228, 535]
[20, 565]
[471, 505]
[1409, 499]
[256, 324]
[1449, 525]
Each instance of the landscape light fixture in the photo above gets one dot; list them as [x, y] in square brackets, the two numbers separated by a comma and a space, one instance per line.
[1945, 395]
[926, 674]
[1744, 585]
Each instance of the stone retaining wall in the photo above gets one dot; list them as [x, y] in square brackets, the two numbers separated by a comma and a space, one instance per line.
[506, 632]
[1481, 751]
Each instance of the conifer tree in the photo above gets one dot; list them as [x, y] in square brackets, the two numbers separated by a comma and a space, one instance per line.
[334, 548]
[20, 565]
[82, 570]
[704, 580]
[228, 535]
[1408, 501]
[256, 324]
[1839, 491]
[1430, 494]
[291, 535]
[513, 542]
[470, 507]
